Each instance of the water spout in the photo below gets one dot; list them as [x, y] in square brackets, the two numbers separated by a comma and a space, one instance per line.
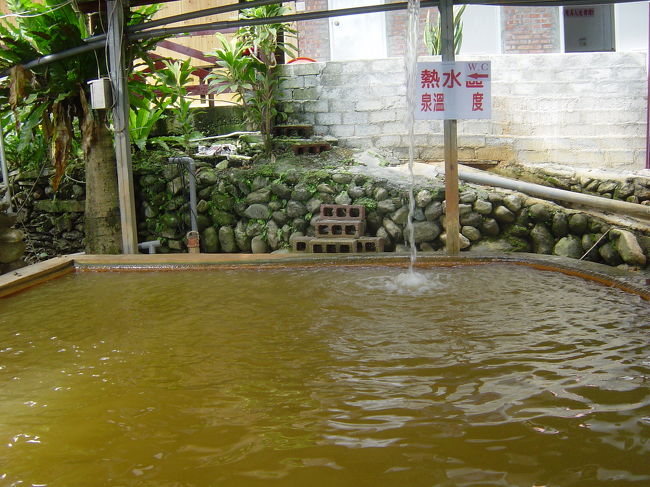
[410, 61]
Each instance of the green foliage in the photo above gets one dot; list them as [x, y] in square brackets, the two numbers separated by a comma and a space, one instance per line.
[50, 115]
[236, 70]
[368, 203]
[246, 67]
[433, 37]
[167, 90]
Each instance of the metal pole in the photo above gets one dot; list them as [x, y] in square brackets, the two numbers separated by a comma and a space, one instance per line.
[446, 9]
[117, 75]
[320, 14]
[3, 163]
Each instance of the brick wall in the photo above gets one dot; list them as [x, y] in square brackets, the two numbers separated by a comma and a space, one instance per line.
[530, 29]
[397, 28]
[586, 109]
[314, 35]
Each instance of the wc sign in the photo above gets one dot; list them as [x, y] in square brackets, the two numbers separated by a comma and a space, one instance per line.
[453, 90]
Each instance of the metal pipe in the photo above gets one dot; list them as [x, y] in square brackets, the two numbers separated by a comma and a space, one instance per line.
[275, 20]
[50, 58]
[614, 206]
[191, 168]
[172, 19]
[5, 170]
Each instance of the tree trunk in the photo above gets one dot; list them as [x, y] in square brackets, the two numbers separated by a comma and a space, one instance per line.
[103, 231]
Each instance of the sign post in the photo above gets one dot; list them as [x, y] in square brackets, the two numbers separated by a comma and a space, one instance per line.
[452, 224]
[449, 91]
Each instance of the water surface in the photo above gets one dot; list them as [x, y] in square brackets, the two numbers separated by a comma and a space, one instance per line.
[476, 376]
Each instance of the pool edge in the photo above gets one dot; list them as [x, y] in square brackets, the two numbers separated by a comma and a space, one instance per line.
[16, 281]
[26, 277]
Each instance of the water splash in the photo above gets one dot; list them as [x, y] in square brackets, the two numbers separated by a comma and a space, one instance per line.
[410, 61]
[407, 283]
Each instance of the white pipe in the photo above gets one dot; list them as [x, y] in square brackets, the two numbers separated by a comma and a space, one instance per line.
[606, 204]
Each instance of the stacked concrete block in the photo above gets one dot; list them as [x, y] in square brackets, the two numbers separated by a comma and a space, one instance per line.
[339, 230]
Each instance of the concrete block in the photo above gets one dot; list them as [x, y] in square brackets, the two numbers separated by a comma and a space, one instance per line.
[332, 246]
[311, 81]
[388, 141]
[307, 68]
[355, 67]
[293, 82]
[306, 93]
[370, 245]
[342, 212]
[341, 106]
[366, 130]
[393, 128]
[471, 141]
[355, 118]
[503, 153]
[387, 66]
[340, 228]
[382, 116]
[342, 130]
[330, 118]
[300, 244]
[319, 106]
[369, 105]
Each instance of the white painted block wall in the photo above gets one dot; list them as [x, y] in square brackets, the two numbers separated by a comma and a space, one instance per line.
[583, 110]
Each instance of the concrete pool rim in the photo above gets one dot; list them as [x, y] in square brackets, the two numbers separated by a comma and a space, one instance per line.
[633, 282]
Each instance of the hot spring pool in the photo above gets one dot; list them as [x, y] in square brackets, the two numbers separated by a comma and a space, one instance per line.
[335, 376]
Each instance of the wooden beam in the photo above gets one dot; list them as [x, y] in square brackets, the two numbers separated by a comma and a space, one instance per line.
[115, 41]
[452, 225]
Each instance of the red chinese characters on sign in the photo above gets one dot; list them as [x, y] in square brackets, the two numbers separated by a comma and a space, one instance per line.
[426, 102]
[477, 102]
[440, 102]
[430, 79]
[476, 81]
[451, 79]
[453, 90]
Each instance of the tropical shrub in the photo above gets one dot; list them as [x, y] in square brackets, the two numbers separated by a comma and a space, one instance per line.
[433, 37]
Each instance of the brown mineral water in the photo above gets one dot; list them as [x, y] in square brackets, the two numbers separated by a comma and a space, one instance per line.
[476, 376]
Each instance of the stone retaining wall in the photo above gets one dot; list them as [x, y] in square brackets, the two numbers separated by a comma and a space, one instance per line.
[261, 209]
[12, 246]
[583, 109]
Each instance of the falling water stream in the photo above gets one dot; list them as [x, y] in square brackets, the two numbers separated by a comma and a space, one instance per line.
[412, 279]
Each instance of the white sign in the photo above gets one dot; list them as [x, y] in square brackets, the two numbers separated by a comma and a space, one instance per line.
[453, 90]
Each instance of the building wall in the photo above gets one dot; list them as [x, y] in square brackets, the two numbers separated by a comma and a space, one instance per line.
[585, 109]
[397, 28]
[314, 35]
[530, 29]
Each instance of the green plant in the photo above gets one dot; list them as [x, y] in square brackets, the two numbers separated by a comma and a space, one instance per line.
[246, 67]
[433, 37]
[142, 120]
[172, 82]
[235, 71]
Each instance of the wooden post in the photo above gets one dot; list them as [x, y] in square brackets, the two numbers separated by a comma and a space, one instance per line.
[115, 44]
[446, 10]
